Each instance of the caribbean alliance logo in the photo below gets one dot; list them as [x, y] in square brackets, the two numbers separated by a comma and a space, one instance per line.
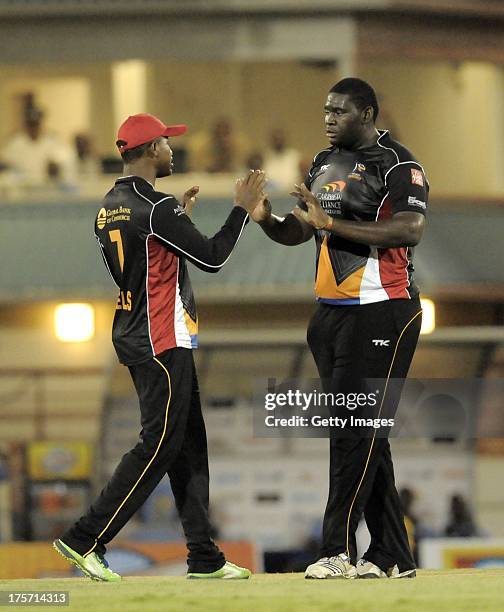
[332, 191]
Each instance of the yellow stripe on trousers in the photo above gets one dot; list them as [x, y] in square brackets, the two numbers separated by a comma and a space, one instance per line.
[374, 434]
[146, 467]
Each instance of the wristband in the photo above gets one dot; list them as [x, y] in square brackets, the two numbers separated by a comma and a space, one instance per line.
[328, 225]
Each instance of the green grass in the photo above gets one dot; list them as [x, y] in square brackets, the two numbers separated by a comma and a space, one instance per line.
[431, 591]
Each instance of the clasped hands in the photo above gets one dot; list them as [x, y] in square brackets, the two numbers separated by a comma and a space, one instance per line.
[314, 215]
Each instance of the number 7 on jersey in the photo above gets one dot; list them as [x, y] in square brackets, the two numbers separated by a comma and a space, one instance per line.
[115, 236]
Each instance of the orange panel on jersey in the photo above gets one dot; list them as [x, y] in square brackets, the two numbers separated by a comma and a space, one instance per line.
[192, 326]
[325, 284]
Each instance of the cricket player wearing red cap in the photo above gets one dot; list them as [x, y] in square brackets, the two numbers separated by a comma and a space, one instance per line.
[145, 238]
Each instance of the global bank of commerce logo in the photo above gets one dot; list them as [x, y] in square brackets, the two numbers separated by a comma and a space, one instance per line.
[101, 219]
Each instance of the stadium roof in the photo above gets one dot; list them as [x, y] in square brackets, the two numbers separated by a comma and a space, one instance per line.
[68, 8]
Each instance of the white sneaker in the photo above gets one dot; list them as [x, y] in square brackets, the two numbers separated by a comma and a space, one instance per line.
[394, 572]
[332, 567]
[366, 569]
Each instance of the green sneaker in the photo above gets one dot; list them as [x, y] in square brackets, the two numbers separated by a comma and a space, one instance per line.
[94, 566]
[229, 571]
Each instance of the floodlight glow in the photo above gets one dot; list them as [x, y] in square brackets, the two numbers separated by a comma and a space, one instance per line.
[428, 316]
[74, 322]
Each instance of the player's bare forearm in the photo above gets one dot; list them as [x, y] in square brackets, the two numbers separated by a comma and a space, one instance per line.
[405, 229]
[289, 231]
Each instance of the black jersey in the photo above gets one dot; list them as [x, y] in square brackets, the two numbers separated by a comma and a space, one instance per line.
[145, 238]
[368, 184]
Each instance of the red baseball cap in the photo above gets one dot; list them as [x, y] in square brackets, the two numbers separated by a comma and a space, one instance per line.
[142, 128]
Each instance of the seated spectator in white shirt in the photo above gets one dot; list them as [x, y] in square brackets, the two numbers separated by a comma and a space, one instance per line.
[38, 158]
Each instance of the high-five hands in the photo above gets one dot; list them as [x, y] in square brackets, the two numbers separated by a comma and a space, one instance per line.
[190, 199]
[249, 191]
[262, 211]
[315, 215]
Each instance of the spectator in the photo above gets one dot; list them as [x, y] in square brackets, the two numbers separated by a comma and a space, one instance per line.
[87, 164]
[254, 161]
[39, 158]
[460, 521]
[221, 150]
[281, 163]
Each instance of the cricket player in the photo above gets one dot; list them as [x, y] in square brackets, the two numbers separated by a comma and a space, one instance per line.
[364, 202]
[146, 237]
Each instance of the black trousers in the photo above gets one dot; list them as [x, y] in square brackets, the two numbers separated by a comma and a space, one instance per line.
[349, 344]
[173, 442]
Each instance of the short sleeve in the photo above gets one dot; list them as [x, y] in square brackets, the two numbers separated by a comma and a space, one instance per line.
[408, 188]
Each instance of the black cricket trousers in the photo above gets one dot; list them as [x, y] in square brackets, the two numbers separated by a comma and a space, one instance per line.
[350, 344]
[172, 441]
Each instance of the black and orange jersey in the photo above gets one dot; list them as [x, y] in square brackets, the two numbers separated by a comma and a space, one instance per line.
[145, 238]
[368, 184]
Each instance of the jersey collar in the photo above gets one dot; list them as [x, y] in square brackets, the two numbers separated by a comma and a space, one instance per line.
[132, 178]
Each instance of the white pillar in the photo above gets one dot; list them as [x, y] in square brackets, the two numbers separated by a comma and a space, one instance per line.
[129, 89]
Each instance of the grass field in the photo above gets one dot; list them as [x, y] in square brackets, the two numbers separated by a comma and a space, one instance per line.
[456, 590]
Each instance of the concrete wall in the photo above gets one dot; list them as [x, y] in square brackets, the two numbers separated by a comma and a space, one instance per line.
[55, 406]
[451, 116]
[489, 494]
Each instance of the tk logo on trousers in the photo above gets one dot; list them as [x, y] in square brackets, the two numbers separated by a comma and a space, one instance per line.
[379, 342]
